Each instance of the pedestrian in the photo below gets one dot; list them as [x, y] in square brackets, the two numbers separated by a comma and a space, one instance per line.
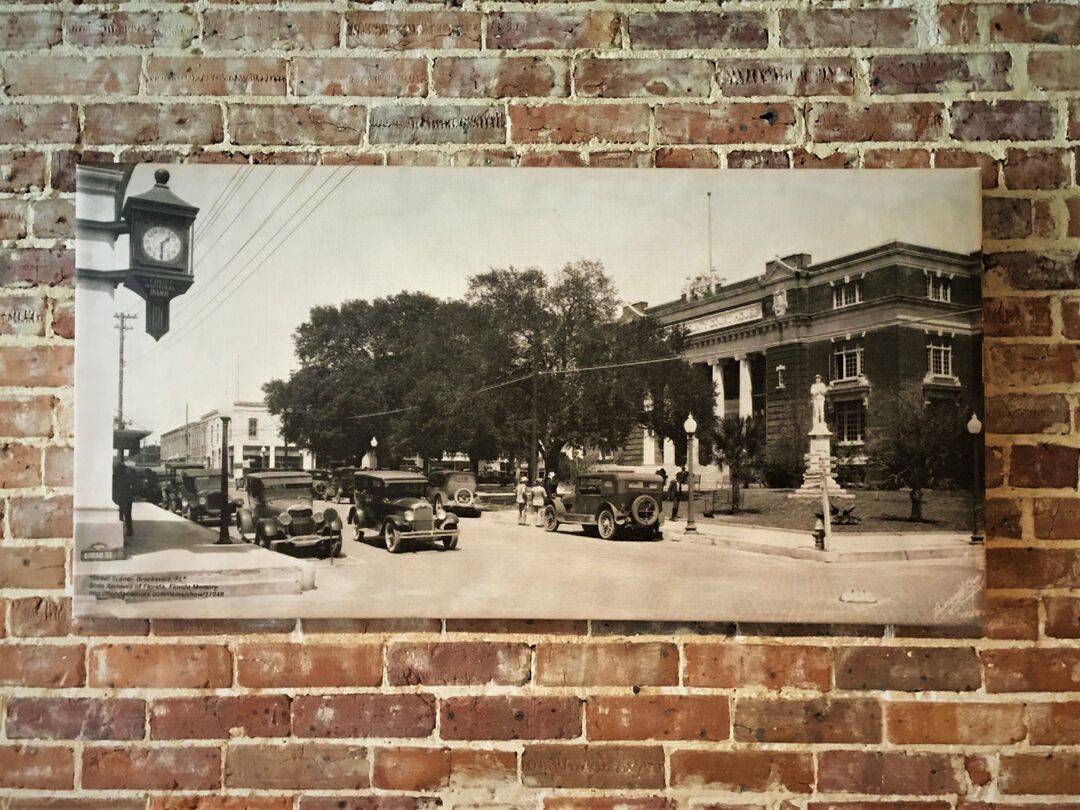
[551, 485]
[538, 496]
[663, 479]
[521, 492]
[675, 493]
[123, 495]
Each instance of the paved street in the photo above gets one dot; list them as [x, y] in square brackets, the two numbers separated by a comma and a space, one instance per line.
[501, 569]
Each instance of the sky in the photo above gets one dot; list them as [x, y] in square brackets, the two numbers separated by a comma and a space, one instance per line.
[273, 241]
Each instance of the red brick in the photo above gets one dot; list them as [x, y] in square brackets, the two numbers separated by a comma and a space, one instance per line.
[1012, 618]
[41, 665]
[820, 720]
[619, 803]
[658, 717]
[36, 616]
[1004, 120]
[20, 466]
[296, 124]
[297, 766]
[1062, 617]
[39, 123]
[510, 718]
[562, 158]
[217, 627]
[215, 76]
[1036, 168]
[896, 159]
[210, 802]
[35, 517]
[151, 768]
[71, 76]
[27, 567]
[59, 466]
[891, 121]
[958, 24]
[1073, 326]
[48, 367]
[465, 662]
[560, 29]
[514, 77]
[1007, 218]
[32, 768]
[579, 123]
[1032, 568]
[464, 124]
[1027, 364]
[1070, 310]
[994, 466]
[1032, 670]
[21, 171]
[907, 669]
[1056, 772]
[698, 29]
[1053, 723]
[54, 219]
[962, 159]
[590, 766]
[249, 30]
[97, 29]
[350, 76]
[1025, 413]
[885, 773]
[75, 719]
[803, 159]
[723, 123]
[133, 123]
[207, 718]
[939, 72]
[1013, 317]
[275, 665]
[14, 225]
[848, 28]
[30, 31]
[192, 666]
[1044, 465]
[620, 159]
[833, 76]
[34, 267]
[738, 771]
[1035, 271]
[404, 30]
[1047, 23]
[1054, 70]
[675, 158]
[775, 666]
[607, 664]
[955, 723]
[1057, 518]
[435, 768]
[744, 159]
[363, 715]
[630, 78]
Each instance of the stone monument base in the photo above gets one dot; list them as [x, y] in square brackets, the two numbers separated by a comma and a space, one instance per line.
[819, 464]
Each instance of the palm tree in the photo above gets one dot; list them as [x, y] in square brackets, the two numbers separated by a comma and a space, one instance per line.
[739, 442]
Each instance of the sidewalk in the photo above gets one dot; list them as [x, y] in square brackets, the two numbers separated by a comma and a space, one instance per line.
[173, 558]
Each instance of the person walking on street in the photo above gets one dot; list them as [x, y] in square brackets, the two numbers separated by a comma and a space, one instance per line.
[551, 485]
[521, 498]
[122, 494]
[538, 496]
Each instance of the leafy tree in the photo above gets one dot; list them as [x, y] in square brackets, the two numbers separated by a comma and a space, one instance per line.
[740, 444]
[920, 448]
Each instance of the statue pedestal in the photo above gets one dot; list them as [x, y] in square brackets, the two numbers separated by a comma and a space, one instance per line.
[819, 466]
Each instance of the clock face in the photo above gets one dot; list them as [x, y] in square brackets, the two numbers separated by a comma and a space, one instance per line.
[161, 243]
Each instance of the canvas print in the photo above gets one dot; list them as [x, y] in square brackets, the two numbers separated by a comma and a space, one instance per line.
[682, 395]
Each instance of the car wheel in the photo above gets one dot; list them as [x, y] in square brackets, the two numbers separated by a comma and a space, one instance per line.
[392, 538]
[551, 523]
[449, 543]
[645, 509]
[605, 524]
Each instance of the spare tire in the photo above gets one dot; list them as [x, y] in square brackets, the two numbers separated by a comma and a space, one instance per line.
[645, 510]
[463, 497]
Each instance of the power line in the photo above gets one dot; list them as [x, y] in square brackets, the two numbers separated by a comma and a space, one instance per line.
[212, 209]
[240, 210]
[241, 177]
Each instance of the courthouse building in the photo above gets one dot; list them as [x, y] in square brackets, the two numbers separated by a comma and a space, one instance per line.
[892, 319]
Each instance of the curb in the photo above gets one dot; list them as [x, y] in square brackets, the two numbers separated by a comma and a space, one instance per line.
[810, 553]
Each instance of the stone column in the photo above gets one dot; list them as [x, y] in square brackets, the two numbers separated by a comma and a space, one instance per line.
[648, 446]
[718, 384]
[669, 452]
[746, 395]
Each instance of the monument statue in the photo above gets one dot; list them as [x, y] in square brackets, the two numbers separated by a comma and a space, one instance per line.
[817, 397]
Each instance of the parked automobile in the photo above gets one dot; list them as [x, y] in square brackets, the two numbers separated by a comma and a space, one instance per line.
[280, 515]
[393, 505]
[607, 503]
[322, 484]
[453, 490]
[170, 484]
[148, 483]
[200, 495]
[342, 482]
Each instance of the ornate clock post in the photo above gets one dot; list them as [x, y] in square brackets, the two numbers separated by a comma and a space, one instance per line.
[160, 242]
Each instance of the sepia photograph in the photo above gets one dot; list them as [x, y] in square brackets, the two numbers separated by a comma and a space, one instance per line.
[682, 395]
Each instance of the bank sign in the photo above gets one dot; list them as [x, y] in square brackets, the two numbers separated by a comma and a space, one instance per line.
[722, 320]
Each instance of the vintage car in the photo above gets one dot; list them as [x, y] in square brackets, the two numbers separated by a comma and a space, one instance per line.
[200, 495]
[148, 483]
[605, 503]
[322, 484]
[280, 515]
[170, 481]
[394, 506]
[340, 486]
[453, 490]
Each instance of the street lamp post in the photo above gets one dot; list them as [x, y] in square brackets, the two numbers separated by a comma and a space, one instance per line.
[223, 525]
[690, 426]
[374, 453]
[974, 428]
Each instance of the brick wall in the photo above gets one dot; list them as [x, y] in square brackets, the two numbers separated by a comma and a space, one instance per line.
[407, 714]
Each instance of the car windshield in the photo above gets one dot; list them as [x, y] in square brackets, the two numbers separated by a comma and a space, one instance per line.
[206, 481]
[460, 480]
[403, 489]
[295, 490]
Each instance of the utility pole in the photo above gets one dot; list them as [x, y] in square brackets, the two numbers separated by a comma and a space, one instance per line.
[533, 462]
[226, 510]
[123, 326]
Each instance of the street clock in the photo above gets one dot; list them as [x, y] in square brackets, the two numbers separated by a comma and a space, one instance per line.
[160, 242]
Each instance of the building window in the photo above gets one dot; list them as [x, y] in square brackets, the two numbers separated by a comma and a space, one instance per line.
[849, 416]
[780, 376]
[938, 288]
[846, 294]
[939, 357]
[848, 360]
[253, 428]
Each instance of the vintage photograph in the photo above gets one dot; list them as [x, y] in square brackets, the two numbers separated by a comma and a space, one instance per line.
[623, 394]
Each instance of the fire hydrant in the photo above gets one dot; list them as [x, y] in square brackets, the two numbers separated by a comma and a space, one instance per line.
[819, 534]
